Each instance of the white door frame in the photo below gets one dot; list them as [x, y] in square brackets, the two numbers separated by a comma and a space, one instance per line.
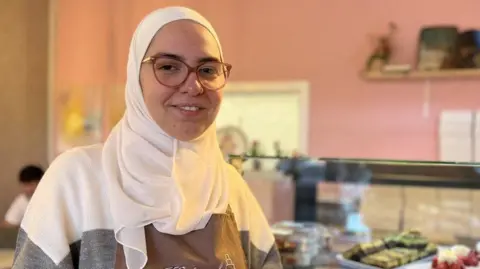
[302, 88]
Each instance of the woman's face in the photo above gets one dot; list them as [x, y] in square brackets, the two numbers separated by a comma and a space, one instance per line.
[186, 111]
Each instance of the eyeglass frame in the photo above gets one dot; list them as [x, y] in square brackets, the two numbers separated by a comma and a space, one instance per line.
[152, 59]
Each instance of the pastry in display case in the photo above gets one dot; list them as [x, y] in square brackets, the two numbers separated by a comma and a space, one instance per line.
[457, 257]
[302, 244]
[390, 252]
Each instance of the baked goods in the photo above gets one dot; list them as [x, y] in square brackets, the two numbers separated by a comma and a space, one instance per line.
[457, 257]
[447, 260]
[410, 239]
[360, 251]
[477, 250]
[392, 251]
[391, 258]
[300, 244]
[429, 250]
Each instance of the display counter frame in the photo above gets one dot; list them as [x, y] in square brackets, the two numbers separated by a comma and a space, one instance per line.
[458, 175]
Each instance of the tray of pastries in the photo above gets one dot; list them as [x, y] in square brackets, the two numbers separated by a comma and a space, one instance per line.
[395, 251]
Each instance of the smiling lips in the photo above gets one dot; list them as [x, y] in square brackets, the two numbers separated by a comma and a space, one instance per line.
[189, 110]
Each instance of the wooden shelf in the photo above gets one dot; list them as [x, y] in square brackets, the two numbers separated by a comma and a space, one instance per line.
[422, 75]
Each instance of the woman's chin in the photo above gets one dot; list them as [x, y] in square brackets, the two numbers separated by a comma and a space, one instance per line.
[187, 131]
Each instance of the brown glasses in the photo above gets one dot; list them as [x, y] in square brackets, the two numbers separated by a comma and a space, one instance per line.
[173, 73]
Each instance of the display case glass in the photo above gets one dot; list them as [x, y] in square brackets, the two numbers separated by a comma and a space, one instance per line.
[374, 197]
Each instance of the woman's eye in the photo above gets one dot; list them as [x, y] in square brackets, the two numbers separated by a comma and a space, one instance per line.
[167, 67]
[208, 70]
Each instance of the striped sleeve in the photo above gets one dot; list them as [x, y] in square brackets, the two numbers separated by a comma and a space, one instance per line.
[95, 250]
[64, 226]
[258, 258]
[258, 241]
[50, 224]
[30, 256]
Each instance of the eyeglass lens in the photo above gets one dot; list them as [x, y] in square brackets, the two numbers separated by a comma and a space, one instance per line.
[171, 72]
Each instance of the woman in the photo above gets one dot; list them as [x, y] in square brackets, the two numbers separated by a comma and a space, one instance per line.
[158, 193]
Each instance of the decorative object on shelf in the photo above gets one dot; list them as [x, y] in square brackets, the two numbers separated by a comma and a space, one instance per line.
[237, 162]
[436, 48]
[443, 52]
[419, 75]
[255, 152]
[232, 140]
[467, 53]
[397, 68]
[383, 50]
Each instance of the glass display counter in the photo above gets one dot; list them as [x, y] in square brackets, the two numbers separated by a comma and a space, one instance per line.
[442, 200]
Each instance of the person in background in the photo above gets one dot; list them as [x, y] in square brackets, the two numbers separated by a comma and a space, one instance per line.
[29, 178]
[305, 188]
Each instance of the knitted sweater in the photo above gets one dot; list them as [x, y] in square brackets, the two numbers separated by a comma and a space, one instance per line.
[68, 225]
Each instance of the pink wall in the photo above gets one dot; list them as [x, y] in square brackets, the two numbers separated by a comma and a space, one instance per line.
[325, 42]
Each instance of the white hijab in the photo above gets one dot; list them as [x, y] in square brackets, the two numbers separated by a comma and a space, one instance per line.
[152, 177]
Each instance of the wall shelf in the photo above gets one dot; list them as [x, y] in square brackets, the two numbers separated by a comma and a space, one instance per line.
[423, 75]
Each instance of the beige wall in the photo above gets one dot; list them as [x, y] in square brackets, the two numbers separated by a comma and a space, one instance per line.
[23, 90]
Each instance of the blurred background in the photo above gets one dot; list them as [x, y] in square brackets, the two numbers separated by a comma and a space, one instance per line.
[378, 94]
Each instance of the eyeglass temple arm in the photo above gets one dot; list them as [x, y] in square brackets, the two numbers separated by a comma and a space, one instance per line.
[148, 60]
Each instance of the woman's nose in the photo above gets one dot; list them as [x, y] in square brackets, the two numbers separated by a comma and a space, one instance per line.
[192, 86]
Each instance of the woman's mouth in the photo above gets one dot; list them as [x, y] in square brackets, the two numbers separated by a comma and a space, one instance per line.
[189, 111]
[189, 108]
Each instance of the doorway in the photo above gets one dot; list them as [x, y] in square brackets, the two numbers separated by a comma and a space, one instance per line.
[265, 112]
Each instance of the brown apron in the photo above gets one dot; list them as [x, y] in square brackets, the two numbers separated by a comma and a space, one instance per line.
[217, 246]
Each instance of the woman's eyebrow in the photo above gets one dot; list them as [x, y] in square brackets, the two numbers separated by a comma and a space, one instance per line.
[169, 55]
[208, 59]
[181, 58]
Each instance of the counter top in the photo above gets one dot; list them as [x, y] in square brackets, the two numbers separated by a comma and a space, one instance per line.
[425, 181]
[386, 172]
